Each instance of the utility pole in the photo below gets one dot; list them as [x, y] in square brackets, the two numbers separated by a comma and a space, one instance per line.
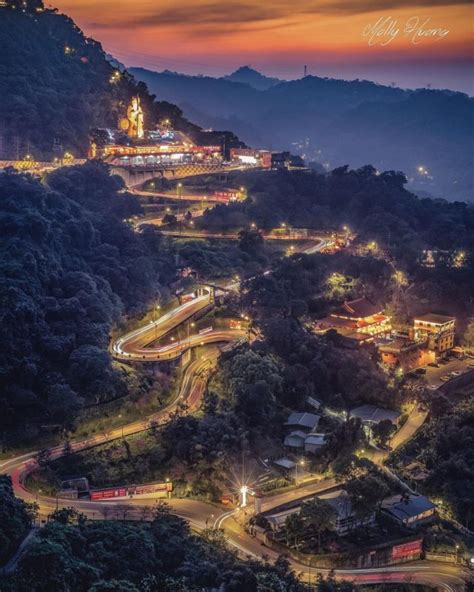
[305, 70]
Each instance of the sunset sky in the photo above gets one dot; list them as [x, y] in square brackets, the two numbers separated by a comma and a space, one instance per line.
[279, 37]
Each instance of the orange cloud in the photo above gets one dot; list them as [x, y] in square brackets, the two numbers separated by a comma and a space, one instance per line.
[200, 34]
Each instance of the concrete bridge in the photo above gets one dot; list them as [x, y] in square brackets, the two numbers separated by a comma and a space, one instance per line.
[136, 176]
[133, 176]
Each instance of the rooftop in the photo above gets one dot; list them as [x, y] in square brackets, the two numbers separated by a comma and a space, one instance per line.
[313, 402]
[400, 344]
[412, 506]
[335, 322]
[295, 439]
[437, 319]
[370, 413]
[358, 309]
[360, 337]
[285, 463]
[316, 439]
[340, 501]
[304, 420]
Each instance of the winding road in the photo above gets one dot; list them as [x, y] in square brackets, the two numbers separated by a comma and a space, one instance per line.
[139, 345]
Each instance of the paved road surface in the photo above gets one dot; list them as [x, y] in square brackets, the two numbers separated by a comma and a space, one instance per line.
[208, 198]
[199, 514]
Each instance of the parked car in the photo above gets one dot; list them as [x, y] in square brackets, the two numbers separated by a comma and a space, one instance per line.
[433, 365]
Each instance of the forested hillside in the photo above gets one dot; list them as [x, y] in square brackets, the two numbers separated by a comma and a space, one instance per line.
[69, 268]
[57, 85]
[375, 204]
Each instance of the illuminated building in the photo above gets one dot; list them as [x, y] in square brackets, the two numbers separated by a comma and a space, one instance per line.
[345, 518]
[286, 160]
[402, 352]
[132, 146]
[252, 157]
[358, 320]
[160, 154]
[437, 329]
[409, 510]
[430, 336]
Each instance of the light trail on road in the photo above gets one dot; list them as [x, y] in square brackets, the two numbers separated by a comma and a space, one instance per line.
[198, 514]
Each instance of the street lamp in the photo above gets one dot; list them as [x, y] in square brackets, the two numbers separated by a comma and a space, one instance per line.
[302, 464]
[243, 492]
[180, 197]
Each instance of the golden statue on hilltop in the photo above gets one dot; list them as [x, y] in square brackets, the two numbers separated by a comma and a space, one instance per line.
[133, 123]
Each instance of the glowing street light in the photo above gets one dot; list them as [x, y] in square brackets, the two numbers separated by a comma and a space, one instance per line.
[422, 169]
[372, 246]
[459, 259]
[115, 77]
[301, 463]
[243, 496]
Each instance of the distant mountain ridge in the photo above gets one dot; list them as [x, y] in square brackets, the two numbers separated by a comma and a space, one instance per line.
[247, 75]
[338, 122]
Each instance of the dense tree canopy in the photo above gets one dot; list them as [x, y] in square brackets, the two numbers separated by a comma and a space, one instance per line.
[253, 383]
[318, 367]
[375, 205]
[15, 519]
[446, 446]
[162, 556]
[70, 267]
